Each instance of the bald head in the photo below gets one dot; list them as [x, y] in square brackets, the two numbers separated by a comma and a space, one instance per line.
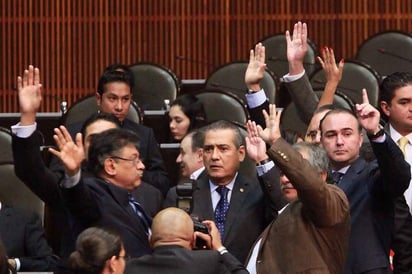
[172, 226]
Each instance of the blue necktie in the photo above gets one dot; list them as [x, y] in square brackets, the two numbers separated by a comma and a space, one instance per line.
[138, 209]
[337, 177]
[221, 209]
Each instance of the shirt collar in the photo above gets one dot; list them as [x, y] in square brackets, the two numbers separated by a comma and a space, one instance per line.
[196, 173]
[229, 185]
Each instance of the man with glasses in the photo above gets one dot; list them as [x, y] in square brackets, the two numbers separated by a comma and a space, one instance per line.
[106, 200]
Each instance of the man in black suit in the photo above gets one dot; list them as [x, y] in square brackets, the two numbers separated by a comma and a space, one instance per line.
[30, 168]
[114, 96]
[173, 239]
[246, 208]
[22, 235]
[106, 199]
[371, 187]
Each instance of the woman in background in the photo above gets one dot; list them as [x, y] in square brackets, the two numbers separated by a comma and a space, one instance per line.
[98, 251]
[186, 113]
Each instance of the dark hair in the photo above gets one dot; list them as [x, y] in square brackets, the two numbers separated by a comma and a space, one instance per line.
[94, 247]
[96, 117]
[193, 108]
[106, 144]
[112, 76]
[223, 124]
[391, 83]
[197, 137]
[336, 111]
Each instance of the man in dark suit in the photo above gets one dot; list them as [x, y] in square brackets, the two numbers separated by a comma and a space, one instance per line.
[246, 208]
[316, 218]
[22, 235]
[114, 96]
[106, 200]
[30, 168]
[371, 187]
[173, 239]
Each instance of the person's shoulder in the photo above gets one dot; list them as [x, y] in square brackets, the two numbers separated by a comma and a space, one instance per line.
[129, 124]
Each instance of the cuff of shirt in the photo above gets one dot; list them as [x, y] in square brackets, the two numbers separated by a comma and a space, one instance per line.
[380, 139]
[263, 169]
[71, 181]
[23, 131]
[18, 264]
[290, 78]
[255, 99]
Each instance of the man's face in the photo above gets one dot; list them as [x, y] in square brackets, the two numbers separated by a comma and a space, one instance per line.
[220, 155]
[95, 128]
[188, 160]
[341, 139]
[313, 132]
[127, 168]
[399, 111]
[115, 99]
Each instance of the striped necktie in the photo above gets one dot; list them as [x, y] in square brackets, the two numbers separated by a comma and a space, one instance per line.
[138, 209]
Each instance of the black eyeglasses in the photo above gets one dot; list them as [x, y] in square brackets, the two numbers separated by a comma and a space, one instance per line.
[135, 161]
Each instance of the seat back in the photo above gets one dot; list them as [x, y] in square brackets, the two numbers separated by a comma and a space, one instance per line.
[387, 52]
[6, 154]
[276, 55]
[356, 76]
[15, 193]
[221, 105]
[153, 84]
[231, 77]
[87, 106]
[290, 119]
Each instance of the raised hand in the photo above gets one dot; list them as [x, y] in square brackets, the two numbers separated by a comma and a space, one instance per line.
[272, 131]
[332, 70]
[297, 46]
[256, 68]
[70, 153]
[255, 146]
[30, 97]
[368, 116]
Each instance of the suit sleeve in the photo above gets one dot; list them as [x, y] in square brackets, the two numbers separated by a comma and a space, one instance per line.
[233, 264]
[31, 169]
[257, 115]
[302, 95]
[395, 171]
[270, 185]
[39, 255]
[327, 205]
[170, 200]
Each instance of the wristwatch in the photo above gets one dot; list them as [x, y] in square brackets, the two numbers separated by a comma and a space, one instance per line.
[377, 134]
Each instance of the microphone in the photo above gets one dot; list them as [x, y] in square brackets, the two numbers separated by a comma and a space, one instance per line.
[189, 60]
[277, 59]
[385, 52]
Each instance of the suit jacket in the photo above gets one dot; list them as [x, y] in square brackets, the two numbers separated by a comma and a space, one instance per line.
[312, 233]
[155, 170]
[371, 189]
[23, 237]
[246, 218]
[30, 168]
[174, 259]
[95, 202]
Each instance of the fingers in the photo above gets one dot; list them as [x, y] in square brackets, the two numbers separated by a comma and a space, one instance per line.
[304, 34]
[79, 140]
[61, 137]
[36, 76]
[365, 99]
[288, 40]
[19, 83]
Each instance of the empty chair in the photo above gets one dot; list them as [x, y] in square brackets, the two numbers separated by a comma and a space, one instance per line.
[6, 154]
[387, 52]
[290, 120]
[356, 76]
[276, 55]
[87, 106]
[221, 105]
[153, 84]
[15, 193]
[231, 77]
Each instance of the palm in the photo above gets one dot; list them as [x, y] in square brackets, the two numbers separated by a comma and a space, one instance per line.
[254, 71]
[30, 98]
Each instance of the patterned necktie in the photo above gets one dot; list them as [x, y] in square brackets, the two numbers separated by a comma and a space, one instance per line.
[221, 209]
[336, 177]
[402, 142]
[138, 209]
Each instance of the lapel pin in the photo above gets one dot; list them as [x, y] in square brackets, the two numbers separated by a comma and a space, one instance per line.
[241, 190]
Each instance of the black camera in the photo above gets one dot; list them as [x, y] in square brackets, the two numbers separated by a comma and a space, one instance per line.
[184, 191]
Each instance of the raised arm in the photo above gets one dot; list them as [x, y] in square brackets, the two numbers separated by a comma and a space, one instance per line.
[333, 74]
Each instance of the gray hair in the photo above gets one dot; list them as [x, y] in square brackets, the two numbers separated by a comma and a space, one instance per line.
[223, 124]
[317, 156]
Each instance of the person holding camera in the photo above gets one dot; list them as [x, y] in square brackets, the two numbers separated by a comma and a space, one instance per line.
[173, 239]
